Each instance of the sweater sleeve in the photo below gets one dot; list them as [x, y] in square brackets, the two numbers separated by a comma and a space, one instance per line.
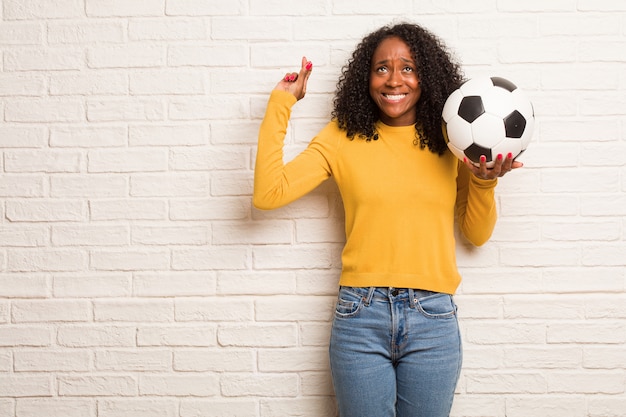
[475, 206]
[276, 183]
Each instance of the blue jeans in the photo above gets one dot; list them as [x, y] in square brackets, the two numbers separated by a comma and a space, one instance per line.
[394, 352]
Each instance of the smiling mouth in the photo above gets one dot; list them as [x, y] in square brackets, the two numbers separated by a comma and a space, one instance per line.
[394, 97]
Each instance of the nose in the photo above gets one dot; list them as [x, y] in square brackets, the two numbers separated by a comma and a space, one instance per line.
[395, 78]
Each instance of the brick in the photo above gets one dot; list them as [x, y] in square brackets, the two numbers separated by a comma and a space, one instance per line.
[16, 185]
[229, 208]
[270, 232]
[87, 285]
[316, 384]
[90, 235]
[203, 8]
[164, 284]
[81, 336]
[505, 382]
[22, 236]
[177, 336]
[41, 311]
[42, 161]
[168, 82]
[96, 186]
[285, 7]
[255, 283]
[55, 407]
[22, 137]
[45, 211]
[48, 260]
[126, 57]
[122, 8]
[170, 185]
[129, 209]
[258, 335]
[18, 85]
[215, 360]
[293, 360]
[52, 361]
[606, 406]
[293, 308]
[133, 310]
[20, 286]
[112, 83]
[592, 332]
[141, 360]
[604, 357]
[42, 9]
[549, 357]
[170, 29]
[263, 385]
[231, 55]
[240, 407]
[319, 406]
[101, 386]
[535, 5]
[217, 158]
[604, 255]
[45, 110]
[546, 405]
[217, 106]
[538, 306]
[589, 382]
[495, 332]
[213, 309]
[124, 109]
[88, 137]
[49, 59]
[130, 260]
[138, 407]
[85, 33]
[21, 33]
[210, 259]
[128, 160]
[179, 385]
[277, 257]
[25, 386]
[167, 135]
[25, 336]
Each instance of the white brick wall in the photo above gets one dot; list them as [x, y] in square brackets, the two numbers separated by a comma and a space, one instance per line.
[136, 280]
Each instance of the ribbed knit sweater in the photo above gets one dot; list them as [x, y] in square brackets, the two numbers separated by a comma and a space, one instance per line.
[400, 201]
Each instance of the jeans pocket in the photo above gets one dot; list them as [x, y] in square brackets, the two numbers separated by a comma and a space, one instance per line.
[349, 303]
[437, 306]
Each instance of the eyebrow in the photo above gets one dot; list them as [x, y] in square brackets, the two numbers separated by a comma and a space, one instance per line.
[384, 61]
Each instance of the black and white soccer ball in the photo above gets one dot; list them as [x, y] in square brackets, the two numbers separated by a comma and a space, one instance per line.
[488, 116]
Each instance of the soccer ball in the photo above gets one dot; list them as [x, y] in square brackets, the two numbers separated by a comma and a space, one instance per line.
[487, 116]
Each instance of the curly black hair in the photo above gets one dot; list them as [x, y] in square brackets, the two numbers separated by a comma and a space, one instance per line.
[439, 75]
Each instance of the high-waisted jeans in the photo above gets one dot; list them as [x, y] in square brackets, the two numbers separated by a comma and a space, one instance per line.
[394, 352]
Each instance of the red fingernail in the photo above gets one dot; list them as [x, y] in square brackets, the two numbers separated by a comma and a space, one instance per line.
[465, 160]
[483, 158]
[499, 156]
[509, 155]
[309, 65]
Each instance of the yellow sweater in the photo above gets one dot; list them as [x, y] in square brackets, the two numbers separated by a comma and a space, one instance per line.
[400, 201]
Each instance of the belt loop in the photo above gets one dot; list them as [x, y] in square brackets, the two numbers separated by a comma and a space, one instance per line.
[412, 298]
[370, 295]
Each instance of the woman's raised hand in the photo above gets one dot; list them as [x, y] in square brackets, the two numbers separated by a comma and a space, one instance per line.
[501, 166]
[294, 82]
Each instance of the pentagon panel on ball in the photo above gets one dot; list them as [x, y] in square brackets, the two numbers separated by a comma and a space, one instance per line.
[487, 116]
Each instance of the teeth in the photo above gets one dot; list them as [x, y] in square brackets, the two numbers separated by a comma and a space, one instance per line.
[395, 96]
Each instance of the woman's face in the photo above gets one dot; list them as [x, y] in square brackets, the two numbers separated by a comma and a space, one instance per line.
[394, 84]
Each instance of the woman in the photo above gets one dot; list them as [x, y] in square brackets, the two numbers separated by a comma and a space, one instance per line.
[395, 347]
